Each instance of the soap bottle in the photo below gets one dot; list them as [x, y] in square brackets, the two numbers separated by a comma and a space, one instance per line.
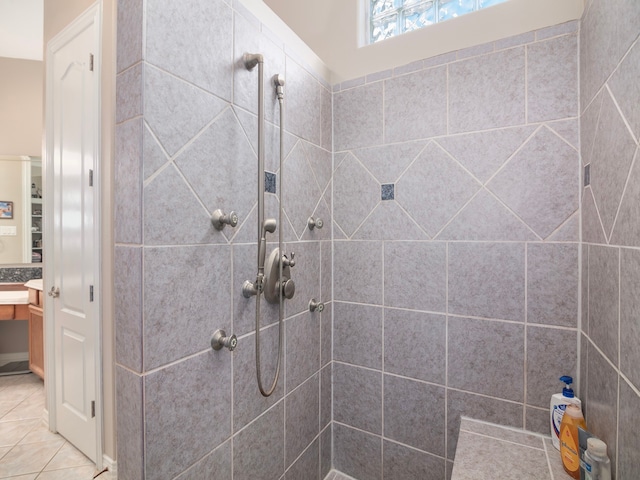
[559, 402]
[596, 463]
[569, 450]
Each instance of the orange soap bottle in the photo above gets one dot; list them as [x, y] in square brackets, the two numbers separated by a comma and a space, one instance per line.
[569, 450]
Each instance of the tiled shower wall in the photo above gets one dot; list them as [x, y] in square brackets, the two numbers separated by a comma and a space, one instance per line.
[186, 144]
[610, 130]
[456, 250]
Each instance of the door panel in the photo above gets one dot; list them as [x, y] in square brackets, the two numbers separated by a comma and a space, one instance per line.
[73, 151]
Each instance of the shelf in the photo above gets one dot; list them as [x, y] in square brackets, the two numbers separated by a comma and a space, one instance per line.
[36, 216]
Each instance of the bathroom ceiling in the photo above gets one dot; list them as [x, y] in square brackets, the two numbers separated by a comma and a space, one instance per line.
[21, 29]
[318, 23]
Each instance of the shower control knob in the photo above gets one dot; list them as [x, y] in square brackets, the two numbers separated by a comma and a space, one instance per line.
[288, 289]
[220, 339]
[286, 262]
[314, 223]
[219, 219]
[315, 305]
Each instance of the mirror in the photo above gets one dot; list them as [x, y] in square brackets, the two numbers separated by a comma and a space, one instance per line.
[20, 209]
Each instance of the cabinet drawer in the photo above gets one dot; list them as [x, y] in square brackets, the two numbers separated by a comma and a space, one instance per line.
[14, 312]
[35, 297]
[7, 312]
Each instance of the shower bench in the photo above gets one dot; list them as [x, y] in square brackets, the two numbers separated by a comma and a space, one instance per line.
[489, 451]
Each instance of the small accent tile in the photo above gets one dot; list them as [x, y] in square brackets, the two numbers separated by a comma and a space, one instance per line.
[387, 191]
[269, 182]
[587, 175]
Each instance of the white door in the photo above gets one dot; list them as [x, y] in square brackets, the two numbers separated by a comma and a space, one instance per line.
[73, 90]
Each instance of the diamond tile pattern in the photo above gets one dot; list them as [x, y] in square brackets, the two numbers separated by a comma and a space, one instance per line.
[173, 28]
[627, 230]
[169, 197]
[485, 218]
[445, 188]
[174, 110]
[220, 167]
[540, 183]
[300, 189]
[626, 88]
[387, 162]
[613, 151]
[485, 152]
[356, 194]
[389, 221]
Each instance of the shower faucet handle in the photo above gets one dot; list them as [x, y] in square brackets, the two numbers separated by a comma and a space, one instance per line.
[315, 305]
[314, 223]
[220, 339]
[219, 219]
[286, 262]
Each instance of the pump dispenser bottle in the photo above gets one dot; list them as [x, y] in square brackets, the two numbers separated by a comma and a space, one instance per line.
[569, 450]
[559, 402]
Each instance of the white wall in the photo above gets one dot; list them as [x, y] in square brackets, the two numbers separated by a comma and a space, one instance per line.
[332, 29]
[21, 107]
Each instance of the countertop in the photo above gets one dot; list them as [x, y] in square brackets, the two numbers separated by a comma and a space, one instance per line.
[14, 297]
[36, 284]
[487, 451]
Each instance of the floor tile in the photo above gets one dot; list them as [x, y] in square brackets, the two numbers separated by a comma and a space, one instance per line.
[68, 456]
[12, 432]
[77, 473]
[30, 458]
[40, 433]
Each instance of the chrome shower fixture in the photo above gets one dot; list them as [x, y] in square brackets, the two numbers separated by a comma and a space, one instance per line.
[276, 284]
[314, 223]
[219, 219]
[250, 289]
[220, 340]
[251, 60]
[278, 81]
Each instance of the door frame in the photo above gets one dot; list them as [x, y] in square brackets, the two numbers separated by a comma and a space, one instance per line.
[92, 15]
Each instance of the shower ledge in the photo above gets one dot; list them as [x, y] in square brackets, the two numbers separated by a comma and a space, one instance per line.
[489, 451]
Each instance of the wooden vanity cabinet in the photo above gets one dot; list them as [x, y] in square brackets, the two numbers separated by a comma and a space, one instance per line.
[36, 333]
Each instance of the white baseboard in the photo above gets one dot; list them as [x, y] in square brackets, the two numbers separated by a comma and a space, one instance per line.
[13, 357]
[111, 464]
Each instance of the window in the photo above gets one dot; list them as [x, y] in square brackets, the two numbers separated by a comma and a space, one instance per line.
[388, 18]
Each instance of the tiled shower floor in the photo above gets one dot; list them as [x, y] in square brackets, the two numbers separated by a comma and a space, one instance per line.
[28, 450]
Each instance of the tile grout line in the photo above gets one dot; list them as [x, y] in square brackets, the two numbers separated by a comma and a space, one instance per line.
[526, 333]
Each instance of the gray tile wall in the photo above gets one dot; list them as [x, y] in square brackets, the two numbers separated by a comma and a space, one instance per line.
[610, 338]
[450, 297]
[186, 139]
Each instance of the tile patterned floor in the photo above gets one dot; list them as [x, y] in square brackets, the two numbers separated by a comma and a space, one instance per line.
[28, 450]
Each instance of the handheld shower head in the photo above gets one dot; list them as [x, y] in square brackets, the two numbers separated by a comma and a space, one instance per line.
[269, 225]
[278, 81]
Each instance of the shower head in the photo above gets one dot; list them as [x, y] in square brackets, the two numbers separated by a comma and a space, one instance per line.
[269, 225]
[278, 81]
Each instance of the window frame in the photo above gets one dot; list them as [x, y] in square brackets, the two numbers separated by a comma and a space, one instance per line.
[399, 30]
